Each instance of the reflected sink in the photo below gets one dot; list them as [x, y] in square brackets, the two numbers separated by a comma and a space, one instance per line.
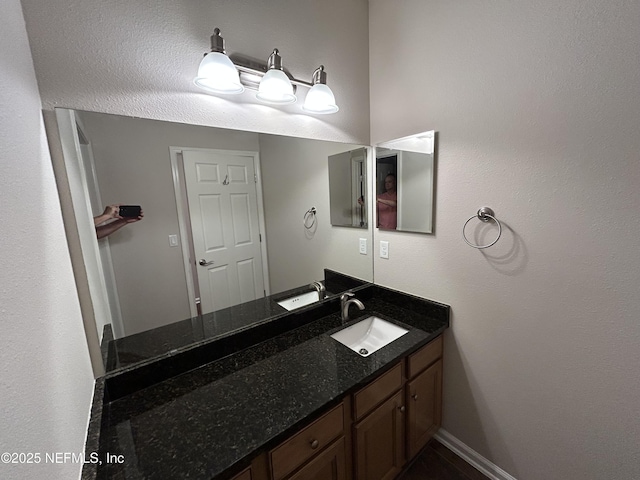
[369, 335]
[301, 300]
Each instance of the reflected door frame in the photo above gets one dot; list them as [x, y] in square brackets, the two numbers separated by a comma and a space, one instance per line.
[104, 307]
[359, 186]
[384, 168]
[188, 254]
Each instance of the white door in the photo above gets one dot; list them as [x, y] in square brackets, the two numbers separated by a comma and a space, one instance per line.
[223, 208]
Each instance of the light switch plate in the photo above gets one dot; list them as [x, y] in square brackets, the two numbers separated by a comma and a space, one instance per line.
[173, 240]
[384, 249]
[363, 246]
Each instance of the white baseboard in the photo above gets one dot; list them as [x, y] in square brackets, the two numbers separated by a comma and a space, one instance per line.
[471, 456]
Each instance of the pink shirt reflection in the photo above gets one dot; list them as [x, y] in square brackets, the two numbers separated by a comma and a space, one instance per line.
[387, 204]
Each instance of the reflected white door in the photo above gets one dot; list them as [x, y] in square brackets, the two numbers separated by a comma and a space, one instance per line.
[223, 208]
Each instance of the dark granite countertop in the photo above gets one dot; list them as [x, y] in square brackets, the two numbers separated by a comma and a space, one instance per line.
[146, 347]
[211, 421]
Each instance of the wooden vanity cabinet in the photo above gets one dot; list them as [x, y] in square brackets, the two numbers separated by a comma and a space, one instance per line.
[379, 441]
[317, 452]
[395, 419]
[371, 434]
[379, 431]
[244, 475]
[327, 465]
[424, 396]
[257, 471]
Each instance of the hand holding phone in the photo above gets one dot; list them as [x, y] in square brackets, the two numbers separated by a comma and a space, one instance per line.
[130, 211]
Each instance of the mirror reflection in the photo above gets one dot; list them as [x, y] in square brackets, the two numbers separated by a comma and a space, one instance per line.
[348, 188]
[221, 220]
[405, 183]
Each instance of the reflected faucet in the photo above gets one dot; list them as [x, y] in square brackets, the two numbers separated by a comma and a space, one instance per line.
[345, 302]
[320, 289]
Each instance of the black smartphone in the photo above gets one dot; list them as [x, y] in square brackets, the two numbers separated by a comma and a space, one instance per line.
[130, 211]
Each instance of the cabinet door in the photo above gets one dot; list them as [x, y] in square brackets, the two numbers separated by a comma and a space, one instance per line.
[244, 475]
[329, 465]
[424, 407]
[379, 441]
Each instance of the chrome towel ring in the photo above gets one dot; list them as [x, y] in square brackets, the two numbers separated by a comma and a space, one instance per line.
[310, 216]
[484, 215]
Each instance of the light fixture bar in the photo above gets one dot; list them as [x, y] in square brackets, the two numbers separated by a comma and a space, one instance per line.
[225, 75]
[252, 69]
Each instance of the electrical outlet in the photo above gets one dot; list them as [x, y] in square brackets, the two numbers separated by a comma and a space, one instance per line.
[173, 240]
[384, 249]
[363, 246]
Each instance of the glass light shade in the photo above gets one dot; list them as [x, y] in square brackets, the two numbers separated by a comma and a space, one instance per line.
[218, 74]
[275, 87]
[320, 100]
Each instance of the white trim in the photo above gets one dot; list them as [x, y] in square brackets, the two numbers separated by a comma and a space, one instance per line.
[78, 189]
[261, 221]
[358, 164]
[399, 188]
[104, 247]
[185, 233]
[472, 457]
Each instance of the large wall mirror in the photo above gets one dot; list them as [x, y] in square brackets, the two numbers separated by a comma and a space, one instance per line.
[405, 173]
[260, 187]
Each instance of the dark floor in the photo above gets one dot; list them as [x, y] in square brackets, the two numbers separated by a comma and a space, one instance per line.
[437, 462]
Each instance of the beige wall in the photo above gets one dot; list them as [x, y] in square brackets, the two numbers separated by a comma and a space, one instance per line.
[537, 105]
[46, 381]
[301, 168]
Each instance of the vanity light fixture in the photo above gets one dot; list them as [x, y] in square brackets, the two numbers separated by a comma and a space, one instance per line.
[275, 87]
[220, 75]
[320, 98]
[217, 73]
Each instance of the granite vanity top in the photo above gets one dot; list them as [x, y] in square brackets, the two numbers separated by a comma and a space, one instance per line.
[146, 347]
[210, 422]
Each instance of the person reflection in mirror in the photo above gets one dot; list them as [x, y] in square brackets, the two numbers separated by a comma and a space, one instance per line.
[111, 215]
[387, 204]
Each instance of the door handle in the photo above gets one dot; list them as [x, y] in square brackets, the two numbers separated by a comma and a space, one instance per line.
[204, 263]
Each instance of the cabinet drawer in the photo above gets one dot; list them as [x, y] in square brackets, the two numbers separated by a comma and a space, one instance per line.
[424, 357]
[305, 444]
[328, 465]
[377, 391]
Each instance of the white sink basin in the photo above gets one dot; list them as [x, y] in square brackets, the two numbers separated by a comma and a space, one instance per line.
[301, 300]
[369, 335]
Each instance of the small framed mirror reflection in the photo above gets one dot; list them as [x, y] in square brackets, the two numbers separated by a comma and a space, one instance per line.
[405, 176]
[348, 188]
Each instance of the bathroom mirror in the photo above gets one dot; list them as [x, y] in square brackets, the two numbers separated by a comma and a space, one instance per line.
[348, 188]
[265, 184]
[405, 173]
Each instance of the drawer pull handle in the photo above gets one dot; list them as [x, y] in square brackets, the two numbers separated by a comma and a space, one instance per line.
[401, 408]
[415, 396]
[314, 444]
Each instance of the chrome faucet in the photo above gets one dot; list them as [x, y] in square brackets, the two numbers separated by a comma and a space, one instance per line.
[345, 302]
[320, 289]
